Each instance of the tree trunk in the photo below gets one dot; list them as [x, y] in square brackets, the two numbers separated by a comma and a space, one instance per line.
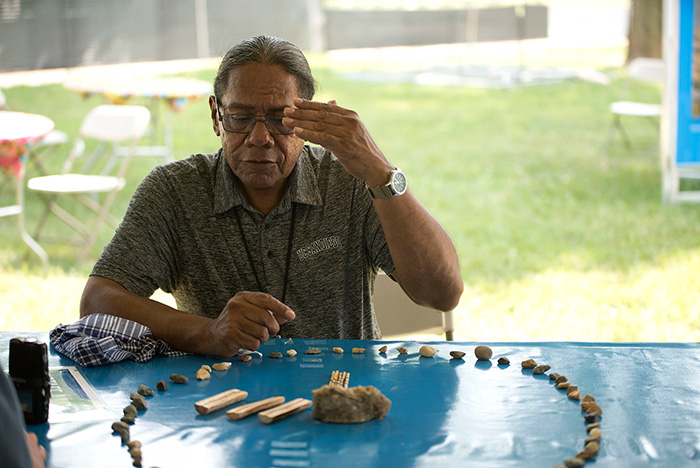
[645, 29]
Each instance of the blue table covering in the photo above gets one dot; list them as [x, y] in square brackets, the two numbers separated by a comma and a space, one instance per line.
[445, 412]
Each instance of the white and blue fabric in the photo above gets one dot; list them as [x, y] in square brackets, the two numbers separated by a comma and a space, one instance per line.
[100, 339]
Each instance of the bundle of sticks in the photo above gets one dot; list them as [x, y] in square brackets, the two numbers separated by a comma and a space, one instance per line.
[341, 379]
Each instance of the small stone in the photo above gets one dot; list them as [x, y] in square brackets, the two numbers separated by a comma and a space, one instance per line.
[336, 350]
[457, 354]
[202, 374]
[138, 401]
[529, 364]
[483, 353]
[402, 350]
[145, 391]
[246, 358]
[572, 388]
[563, 385]
[590, 439]
[595, 433]
[275, 355]
[137, 463]
[574, 462]
[221, 366]
[592, 426]
[135, 452]
[162, 385]
[591, 447]
[591, 417]
[208, 369]
[503, 361]
[587, 406]
[122, 429]
[130, 410]
[585, 455]
[178, 378]
[129, 418]
[588, 398]
[553, 376]
[383, 349]
[133, 444]
[541, 369]
[575, 395]
[314, 351]
[560, 379]
[427, 351]
[291, 352]
[358, 350]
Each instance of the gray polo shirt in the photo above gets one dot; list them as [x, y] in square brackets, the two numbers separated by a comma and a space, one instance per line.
[180, 234]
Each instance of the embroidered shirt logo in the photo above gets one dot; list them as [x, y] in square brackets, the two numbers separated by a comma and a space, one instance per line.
[317, 246]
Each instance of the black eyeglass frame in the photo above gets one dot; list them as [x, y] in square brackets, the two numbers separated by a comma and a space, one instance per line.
[271, 129]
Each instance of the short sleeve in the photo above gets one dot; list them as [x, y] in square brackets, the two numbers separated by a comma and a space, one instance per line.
[142, 255]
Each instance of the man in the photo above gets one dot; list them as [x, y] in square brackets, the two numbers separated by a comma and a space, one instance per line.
[269, 236]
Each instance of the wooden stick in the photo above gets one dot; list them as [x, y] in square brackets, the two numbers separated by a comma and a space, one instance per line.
[244, 411]
[220, 400]
[285, 410]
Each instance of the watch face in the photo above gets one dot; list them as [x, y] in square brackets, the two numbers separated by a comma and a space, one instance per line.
[399, 182]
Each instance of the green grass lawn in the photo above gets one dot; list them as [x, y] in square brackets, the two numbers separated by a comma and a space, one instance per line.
[553, 243]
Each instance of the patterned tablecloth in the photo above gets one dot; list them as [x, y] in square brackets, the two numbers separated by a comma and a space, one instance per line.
[177, 92]
[18, 132]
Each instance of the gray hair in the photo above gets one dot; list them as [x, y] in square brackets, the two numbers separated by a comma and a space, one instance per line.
[267, 50]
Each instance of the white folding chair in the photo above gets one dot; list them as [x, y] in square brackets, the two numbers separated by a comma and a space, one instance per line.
[641, 69]
[399, 316]
[107, 123]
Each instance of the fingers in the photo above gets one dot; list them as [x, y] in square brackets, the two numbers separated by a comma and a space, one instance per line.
[317, 116]
[37, 452]
[250, 319]
[278, 310]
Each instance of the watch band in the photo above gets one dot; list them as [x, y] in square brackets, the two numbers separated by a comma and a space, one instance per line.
[388, 190]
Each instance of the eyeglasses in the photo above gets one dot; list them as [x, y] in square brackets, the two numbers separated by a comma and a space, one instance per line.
[245, 123]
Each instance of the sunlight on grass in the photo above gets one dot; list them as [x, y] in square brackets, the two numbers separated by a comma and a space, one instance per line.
[648, 303]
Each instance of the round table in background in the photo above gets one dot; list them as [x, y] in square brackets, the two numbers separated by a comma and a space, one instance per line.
[19, 131]
[175, 92]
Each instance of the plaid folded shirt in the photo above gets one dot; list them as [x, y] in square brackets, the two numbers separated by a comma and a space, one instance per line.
[99, 339]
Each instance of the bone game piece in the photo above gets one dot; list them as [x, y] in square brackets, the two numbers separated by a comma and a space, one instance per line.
[341, 379]
[220, 400]
[284, 411]
[244, 411]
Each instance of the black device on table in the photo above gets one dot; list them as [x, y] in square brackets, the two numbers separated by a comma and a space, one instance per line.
[29, 370]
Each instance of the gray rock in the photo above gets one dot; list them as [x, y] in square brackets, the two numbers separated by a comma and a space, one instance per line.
[349, 405]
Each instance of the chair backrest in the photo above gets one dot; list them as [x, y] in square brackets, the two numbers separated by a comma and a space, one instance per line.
[647, 69]
[112, 124]
[399, 316]
[115, 123]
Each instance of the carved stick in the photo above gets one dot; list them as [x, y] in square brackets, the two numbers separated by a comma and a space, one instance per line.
[244, 411]
[285, 410]
[220, 400]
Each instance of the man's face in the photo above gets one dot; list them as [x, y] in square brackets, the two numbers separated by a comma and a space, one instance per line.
[260, 160]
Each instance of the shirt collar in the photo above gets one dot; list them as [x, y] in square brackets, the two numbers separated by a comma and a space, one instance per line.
[303, 186]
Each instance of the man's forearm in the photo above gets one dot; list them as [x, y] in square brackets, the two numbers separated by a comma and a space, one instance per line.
[427, 267]
[182, 331]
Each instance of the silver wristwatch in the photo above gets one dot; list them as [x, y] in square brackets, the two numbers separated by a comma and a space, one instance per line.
[397, 185]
